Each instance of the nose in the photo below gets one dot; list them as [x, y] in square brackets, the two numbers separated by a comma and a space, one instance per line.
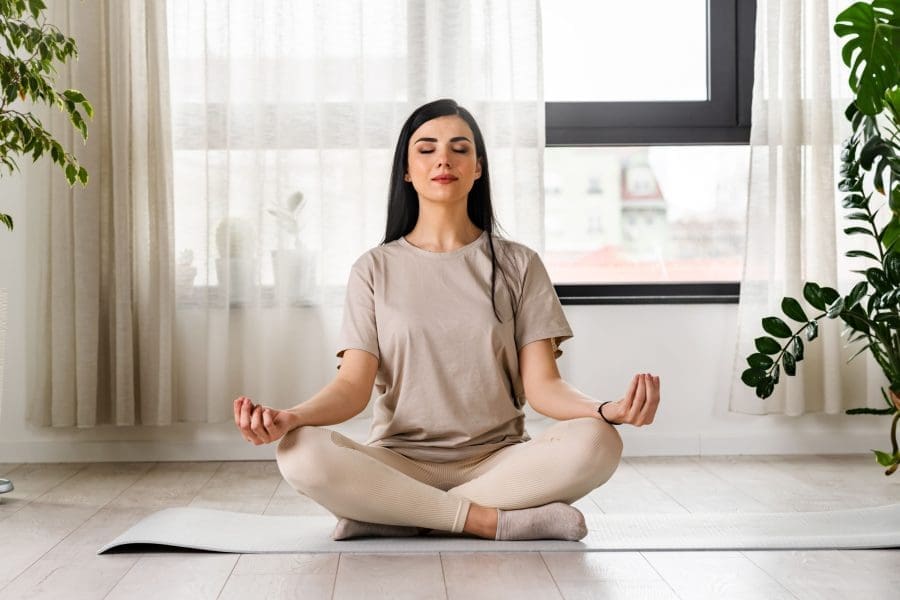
[443, 157]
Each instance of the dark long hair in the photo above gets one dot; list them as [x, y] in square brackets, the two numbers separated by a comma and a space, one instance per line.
[403, 200]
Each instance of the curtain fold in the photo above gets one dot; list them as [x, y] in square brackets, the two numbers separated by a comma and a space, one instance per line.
[100, 259]
[794, 218]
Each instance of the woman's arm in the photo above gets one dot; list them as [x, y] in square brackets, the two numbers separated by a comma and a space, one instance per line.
[549, 395]
[342, 399]
[546, 391]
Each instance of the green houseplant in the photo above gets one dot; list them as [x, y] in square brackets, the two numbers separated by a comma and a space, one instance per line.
[870, 309]
[31, 46]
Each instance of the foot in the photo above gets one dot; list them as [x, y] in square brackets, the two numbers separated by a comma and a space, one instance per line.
[349, 528]
[554, 521]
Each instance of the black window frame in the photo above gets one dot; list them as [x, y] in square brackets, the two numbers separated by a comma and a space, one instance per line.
[724, 118]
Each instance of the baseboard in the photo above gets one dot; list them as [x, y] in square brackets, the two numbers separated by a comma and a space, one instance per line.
[638, 442]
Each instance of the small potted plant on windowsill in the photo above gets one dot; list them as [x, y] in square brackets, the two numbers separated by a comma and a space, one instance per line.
[870, 309]
[294, 266]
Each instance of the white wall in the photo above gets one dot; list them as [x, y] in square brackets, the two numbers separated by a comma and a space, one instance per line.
[690, 347]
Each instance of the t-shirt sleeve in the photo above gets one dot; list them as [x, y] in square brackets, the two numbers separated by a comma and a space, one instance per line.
[540, 315]
[358, 325]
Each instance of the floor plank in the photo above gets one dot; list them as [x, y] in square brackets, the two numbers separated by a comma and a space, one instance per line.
[48, 519]
[174, 575]
[829, 574]
[716, 575]
[31, 481]
[282, 576]
[706, 492]
[520, 575]
[391, 577]
[242, 486]
[627, 484]
[607, 575]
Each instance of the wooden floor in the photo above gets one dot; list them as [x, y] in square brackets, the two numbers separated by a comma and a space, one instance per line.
[59, 514]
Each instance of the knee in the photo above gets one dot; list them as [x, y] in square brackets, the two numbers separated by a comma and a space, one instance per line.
[597, 450]
[302, 457]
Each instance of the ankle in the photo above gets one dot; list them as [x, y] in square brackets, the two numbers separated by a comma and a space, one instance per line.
[482, 521]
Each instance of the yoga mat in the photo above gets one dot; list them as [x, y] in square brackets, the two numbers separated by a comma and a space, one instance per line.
[225, 531]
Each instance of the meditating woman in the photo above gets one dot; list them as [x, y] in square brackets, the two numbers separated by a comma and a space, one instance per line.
[456, 328]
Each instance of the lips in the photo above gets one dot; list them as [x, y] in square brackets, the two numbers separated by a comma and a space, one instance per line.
[444, 178]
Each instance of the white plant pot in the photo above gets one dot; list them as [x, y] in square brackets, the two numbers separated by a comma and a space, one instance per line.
[295, 275]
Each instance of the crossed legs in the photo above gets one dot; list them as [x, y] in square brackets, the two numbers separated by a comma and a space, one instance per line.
[377, 485]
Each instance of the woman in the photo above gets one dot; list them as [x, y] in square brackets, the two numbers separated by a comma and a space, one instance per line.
[456, 328]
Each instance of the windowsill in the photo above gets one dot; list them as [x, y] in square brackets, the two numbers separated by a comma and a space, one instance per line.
[726, 292]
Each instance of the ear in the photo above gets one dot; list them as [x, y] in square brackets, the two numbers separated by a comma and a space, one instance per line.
[478, 169]
[406, 177]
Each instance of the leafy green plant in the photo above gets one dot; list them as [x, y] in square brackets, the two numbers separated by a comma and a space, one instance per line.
[870, 309]
[31, 47]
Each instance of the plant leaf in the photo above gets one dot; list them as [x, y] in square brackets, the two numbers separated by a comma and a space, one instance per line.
[884, 459]
[793, 309]
[753, 376]
[872, 40]
[760, 361]
[767, 345]
[776, 327]
[765, 388]
[892, 267]
[835, 308]
[812, 330]
[858, 291]
[790, 366]
[858, 230]
[813, 294]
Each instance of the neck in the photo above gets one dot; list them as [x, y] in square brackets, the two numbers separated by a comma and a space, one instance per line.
[442, 229]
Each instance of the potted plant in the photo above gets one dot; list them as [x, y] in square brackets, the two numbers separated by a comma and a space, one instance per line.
[27, 73]
[294, 266]
[870, 309]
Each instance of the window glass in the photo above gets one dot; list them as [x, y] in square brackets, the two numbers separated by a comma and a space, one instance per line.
[640, 50]
[645, 214]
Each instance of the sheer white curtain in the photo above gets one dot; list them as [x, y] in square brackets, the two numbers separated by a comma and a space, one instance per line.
[99, 260]
[794, 216]
[285, 117]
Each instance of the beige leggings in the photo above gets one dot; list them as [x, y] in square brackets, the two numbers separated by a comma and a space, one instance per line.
[378, 485]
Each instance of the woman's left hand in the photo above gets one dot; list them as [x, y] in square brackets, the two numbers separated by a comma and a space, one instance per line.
[639, 404]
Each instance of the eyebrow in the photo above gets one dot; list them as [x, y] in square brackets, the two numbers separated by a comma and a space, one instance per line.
[460, 138]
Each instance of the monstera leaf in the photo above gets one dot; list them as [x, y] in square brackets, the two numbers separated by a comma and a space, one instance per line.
[871, 51]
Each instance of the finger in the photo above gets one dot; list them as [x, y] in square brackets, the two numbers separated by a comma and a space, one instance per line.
[649, 410]
[245, 422]
[256, 424]
[628, 400]
[268, 421]
[238, 402]
[639, 399]
[633, 387]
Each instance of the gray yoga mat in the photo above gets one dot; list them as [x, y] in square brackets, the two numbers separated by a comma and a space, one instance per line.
[225, 531]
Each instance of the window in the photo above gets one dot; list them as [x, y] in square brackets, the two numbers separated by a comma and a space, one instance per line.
[648, 117]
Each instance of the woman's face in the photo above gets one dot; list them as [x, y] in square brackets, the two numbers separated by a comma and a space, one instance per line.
[442, 165]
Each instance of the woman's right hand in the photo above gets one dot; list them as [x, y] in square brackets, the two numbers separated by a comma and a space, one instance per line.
[260, 424]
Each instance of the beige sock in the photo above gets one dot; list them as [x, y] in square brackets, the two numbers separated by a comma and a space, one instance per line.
[349, 528]
[554, 521]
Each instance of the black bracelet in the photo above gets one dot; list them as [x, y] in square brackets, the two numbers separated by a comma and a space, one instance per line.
[600, 410]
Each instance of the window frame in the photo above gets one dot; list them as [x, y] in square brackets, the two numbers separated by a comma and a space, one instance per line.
[724, 118]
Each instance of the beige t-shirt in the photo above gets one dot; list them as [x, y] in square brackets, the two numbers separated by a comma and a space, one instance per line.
[448, 379]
